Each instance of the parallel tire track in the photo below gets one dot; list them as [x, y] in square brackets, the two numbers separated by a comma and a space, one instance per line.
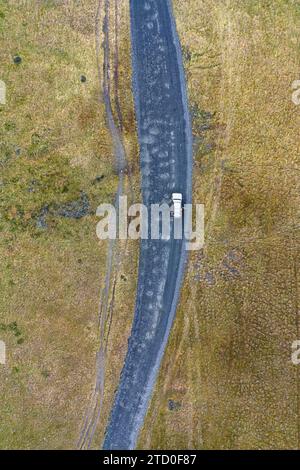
[93, 412]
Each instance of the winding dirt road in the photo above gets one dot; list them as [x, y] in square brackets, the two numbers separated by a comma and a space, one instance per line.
[166, 164]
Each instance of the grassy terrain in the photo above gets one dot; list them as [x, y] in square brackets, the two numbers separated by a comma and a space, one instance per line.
[56, 163]
[227, 380]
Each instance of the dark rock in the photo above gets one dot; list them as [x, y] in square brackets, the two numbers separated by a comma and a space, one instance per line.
[98, 179]
[17, 59]
[82, 78]
[174, 405]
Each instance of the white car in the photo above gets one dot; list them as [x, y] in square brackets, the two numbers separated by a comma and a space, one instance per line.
[177, 205]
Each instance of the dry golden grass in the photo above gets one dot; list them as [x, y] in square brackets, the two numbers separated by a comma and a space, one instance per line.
[228, 362]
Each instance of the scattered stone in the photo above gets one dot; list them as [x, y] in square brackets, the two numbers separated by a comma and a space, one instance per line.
[209, 278]
[72, 210]
[197, 141]
[202, 120]
[206, 115]
[232, 264]
[174, 405]
[32, 187]
[233, 255]
[186, 54]
[209, 147]
[231, 269]
[41, 222]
